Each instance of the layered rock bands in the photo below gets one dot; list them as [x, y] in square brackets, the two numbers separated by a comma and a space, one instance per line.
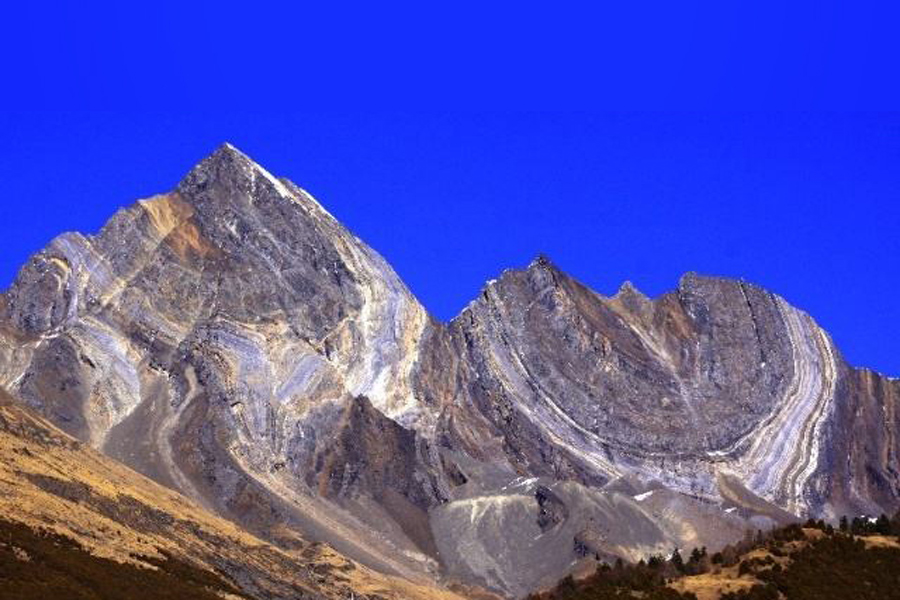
[233, 341]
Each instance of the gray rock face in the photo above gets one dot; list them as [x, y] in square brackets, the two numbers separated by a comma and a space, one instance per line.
[233, 341]
[674, 389]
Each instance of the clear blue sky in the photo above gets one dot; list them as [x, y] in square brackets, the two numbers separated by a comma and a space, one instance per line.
[805, 203]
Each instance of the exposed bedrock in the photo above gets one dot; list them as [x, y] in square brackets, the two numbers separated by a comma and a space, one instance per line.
[232, 340]
[717, 376]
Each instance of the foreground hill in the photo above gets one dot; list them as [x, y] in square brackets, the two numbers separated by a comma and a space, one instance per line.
[233, 342]
[75, 524]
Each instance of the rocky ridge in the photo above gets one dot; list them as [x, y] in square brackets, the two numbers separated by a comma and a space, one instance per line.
[233, 341]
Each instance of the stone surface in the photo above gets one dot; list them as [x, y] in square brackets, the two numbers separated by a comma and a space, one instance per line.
[232, 341]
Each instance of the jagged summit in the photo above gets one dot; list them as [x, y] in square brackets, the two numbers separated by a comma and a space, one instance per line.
[225, 161]
[227, 154]
[229, 176]
[541, 261]
[229, 147]
[232, 173]
[629, 289]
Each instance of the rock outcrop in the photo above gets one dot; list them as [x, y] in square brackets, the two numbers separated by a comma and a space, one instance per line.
[233, 341]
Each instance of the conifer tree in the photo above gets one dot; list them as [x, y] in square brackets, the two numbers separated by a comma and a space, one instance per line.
[883, 525]
[677, 561]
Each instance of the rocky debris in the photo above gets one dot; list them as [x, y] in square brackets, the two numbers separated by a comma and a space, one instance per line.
[551, 510]
[589, 542]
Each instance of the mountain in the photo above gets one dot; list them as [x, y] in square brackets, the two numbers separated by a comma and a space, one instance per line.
[232, 341]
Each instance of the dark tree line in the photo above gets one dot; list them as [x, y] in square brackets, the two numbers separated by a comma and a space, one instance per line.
[866, 526]
[838, 566]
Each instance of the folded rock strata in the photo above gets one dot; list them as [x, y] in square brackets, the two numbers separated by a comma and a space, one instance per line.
[233, 341]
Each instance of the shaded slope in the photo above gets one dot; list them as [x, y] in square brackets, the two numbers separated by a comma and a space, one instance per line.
[35, 564]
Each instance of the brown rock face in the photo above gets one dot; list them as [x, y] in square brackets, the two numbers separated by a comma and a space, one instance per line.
[232, 341]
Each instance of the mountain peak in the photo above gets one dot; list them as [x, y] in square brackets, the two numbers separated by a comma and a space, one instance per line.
[630, 290]
[227, 167]
[227, 155]
[541, 261]
[229, 147]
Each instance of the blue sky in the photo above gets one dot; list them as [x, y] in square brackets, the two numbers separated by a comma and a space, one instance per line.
[199, 56]
[804, 204]
[444, 135]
